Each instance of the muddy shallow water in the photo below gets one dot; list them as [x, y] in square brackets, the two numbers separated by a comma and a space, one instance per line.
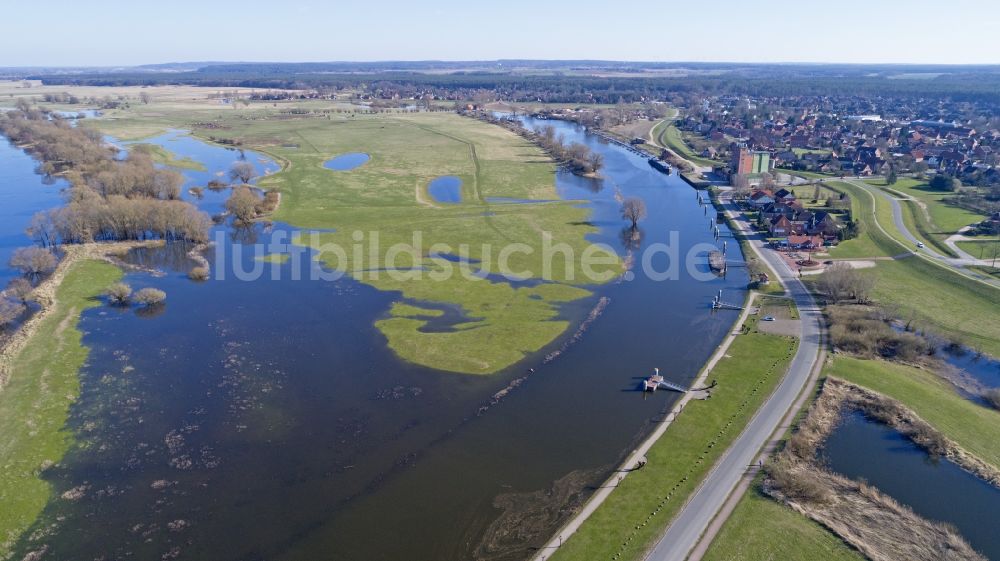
[267, 419]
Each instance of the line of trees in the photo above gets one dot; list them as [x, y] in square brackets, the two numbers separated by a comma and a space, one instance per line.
[108, 199]
[577, 157]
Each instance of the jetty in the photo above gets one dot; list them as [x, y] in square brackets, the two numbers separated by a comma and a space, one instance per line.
[719, 304]
[656, 382]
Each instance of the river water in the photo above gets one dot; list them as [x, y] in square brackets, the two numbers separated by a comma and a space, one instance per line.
[936, 489]
[268, 419]
[22, 194]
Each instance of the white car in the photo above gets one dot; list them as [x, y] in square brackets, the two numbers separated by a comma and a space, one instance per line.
[767, 318]
[920, 245]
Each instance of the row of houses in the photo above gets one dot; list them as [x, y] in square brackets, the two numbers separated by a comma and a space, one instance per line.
[790, 224]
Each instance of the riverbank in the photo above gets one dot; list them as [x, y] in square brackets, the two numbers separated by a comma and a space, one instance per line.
[45, 294]
[862, 515]
[690, 439]
[41, 365]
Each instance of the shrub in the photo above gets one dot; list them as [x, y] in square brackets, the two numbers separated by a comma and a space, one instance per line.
[198, 273]
[150, 296]
[10, 311]
[796, 482]
[119, 294]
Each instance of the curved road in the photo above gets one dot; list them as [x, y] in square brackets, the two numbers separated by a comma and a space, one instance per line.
[695, 517]
[959, 265]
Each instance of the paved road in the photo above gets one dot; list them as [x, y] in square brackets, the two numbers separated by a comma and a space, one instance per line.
[686, 529]
[959, 265]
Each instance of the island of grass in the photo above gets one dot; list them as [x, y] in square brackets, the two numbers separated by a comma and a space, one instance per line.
[274, 258]
[163, 156]
[35, 403]
[386, 201]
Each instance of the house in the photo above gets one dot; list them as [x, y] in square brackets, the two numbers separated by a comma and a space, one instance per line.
[805, 242]
[823, 224]
[780, 226]
[784, 196]
[761, 198]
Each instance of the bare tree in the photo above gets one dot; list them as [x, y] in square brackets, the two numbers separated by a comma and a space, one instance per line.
[634, 210]
[841, 282]
[33, 261]
[145, 98]
[242, 172]
[20, 288]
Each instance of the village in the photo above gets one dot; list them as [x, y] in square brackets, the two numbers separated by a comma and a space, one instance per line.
[859, 136]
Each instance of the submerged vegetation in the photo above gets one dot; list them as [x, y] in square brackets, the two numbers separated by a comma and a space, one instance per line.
[108, 199]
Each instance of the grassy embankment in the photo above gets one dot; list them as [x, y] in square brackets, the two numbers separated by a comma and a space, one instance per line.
[388, 195]
[872, 241]
[670, 136]
[974, 427]
[761, 529]
[927, 214]
[750, 532]
[937, 298]
[680, 459]
[981, 248]
[34, 406]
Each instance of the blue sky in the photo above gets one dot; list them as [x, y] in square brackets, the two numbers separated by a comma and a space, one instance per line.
[102, 32]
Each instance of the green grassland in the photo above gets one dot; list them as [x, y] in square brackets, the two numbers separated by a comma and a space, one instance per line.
[274, 258]
[944, 218]
[34, 406]
[981, 249]
[387, 197]
[636, 513]
[927, 214]
[940, 300]
[974, 427]
[871, 242]
[670, 136]
[761, 529]
[163, 156]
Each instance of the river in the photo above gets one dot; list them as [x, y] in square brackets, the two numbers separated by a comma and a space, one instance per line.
[268, 419]
[936, 489]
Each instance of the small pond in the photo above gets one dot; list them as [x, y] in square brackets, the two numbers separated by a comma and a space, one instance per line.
[936, 489]
[347, 162]
[446, 189]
